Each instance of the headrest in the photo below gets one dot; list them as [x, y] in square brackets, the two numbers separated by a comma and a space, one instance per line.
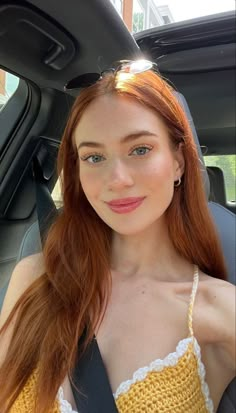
[182, 101]
[217, 185]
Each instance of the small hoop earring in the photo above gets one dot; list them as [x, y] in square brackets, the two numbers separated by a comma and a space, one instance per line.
[177, 183]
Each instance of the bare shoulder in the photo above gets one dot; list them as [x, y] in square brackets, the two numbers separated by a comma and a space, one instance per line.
[24, 274]
[216, 316]
[215, 291]
[219, 295]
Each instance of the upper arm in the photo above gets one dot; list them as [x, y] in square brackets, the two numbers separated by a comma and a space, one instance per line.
[24, 274]
[222, 298]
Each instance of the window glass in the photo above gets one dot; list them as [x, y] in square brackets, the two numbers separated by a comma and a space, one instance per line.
[8, 85]
[145, 14]
[138, 17]
[227, 164]
[158, 13]
[118, 5]
[56, 195]
[166, 19]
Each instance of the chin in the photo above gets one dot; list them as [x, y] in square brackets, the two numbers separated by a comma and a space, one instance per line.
[128, 228]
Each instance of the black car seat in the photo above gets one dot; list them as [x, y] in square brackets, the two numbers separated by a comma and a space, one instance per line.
[217, 185]
[224, 221]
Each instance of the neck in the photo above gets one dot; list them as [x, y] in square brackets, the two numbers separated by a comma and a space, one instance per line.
[149, 253]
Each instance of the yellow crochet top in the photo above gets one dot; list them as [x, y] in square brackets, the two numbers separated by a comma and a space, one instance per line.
[25, 402]
[175, 384]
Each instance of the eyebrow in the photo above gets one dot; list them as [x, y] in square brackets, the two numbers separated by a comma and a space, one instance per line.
[125, 139]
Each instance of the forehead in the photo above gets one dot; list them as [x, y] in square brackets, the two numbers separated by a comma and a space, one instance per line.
[110, 117]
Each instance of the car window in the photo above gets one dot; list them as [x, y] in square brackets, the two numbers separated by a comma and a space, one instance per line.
[118, 4]
[56, 195]
[227, 164]
[140, 15]
[8, 85]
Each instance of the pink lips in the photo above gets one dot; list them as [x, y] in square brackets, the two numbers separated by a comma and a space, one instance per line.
[124, 205]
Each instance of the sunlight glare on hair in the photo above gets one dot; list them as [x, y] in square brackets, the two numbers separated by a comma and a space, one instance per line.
[121, 77]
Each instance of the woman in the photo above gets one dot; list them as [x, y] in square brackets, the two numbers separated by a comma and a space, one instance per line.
[133, 258]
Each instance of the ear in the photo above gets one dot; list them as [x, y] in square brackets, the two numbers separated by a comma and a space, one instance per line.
[179, 161]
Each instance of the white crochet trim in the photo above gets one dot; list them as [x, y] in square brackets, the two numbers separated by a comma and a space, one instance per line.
[65, 406]
[202, 374]
[157, 365]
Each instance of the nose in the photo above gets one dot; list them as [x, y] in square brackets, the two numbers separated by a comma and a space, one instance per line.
[119, 176]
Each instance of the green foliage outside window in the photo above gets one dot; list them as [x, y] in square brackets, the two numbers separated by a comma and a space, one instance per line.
[138, 22]
[228, 166]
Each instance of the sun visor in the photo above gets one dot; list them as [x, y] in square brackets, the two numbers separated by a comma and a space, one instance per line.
[26, 32]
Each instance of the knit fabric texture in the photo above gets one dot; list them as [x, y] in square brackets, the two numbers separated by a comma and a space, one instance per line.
[175, 384]
[25, 402]
[174, 389]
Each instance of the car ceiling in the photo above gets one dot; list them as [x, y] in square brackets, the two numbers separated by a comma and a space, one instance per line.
[197, 56]
[94, 36]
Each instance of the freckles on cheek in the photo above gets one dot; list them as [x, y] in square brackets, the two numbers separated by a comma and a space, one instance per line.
[89, 181]
[167, 164]
[158, 170]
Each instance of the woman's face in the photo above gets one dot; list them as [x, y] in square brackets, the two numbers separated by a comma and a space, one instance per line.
[124, 152]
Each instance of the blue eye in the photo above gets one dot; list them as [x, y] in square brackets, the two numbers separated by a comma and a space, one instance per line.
[93, 158]
[141, 150]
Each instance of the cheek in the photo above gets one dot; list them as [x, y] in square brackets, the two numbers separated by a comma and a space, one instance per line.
[159, 182]
[90, 182]
[159, 170]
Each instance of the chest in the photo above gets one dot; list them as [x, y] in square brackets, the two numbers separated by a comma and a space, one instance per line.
[147, 325]
[216, 379]
[132, 335]
[139, 326]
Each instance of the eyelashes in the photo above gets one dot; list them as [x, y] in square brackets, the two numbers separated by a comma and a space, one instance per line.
[97, 157]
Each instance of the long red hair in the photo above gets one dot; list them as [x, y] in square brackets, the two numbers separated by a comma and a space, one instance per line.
[53, 312]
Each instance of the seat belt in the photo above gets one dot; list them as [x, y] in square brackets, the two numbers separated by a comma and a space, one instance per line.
[89, 374]
[90, 377]
[46, 209]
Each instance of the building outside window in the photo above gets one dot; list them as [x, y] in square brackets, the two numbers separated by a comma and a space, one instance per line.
[166, 19]
[152, 19]
[143, 14]
[148, 14]
[165, 14]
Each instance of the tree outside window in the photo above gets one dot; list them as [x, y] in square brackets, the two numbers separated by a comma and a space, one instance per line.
[138, 17]
[227, 163]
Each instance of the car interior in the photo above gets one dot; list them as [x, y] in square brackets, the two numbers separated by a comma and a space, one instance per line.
[47, 44]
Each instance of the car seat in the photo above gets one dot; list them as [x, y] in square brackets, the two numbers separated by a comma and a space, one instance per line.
[217, 185]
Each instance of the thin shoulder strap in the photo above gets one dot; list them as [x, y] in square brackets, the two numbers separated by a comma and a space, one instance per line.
[192, 299]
